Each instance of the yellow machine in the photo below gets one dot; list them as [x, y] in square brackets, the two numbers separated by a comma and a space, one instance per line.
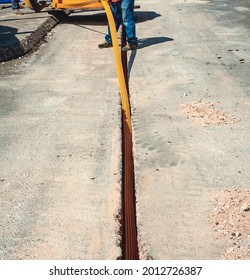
[68, 4]
[77, 4]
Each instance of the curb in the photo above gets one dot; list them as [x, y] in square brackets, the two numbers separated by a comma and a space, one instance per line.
[26, 44]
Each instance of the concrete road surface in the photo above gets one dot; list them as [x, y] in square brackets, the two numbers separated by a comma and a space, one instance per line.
[60, 150]
[195, 54]
[60, 170]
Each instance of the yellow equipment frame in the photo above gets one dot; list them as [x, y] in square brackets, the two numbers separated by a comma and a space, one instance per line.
[77, 4]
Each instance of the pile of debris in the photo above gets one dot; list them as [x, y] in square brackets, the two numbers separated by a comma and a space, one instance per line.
[206, 113]
[231, 220]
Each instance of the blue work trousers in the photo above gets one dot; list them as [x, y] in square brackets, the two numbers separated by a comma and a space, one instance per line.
[123, 12]
[15, 4]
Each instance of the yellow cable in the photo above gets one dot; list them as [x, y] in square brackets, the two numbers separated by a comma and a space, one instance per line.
[118, 62]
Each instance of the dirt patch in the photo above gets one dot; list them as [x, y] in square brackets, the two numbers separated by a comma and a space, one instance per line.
[231, 220]
[207, 113]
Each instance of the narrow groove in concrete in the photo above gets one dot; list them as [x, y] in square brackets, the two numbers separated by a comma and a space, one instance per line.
[130, 244]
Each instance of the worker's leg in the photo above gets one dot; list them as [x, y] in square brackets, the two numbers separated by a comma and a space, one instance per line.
[117, 14]
[15, 7]
[129, 21]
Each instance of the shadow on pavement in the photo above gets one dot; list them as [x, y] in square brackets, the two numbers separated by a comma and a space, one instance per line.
[97, 19]
[131, 61]
[101, 19]
[8, 36]
[143, 43]
[145, 16]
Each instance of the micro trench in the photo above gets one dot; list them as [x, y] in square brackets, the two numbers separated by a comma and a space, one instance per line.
[129, 228]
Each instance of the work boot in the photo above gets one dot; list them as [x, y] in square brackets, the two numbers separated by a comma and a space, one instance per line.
[130, 47]
[105, 45]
